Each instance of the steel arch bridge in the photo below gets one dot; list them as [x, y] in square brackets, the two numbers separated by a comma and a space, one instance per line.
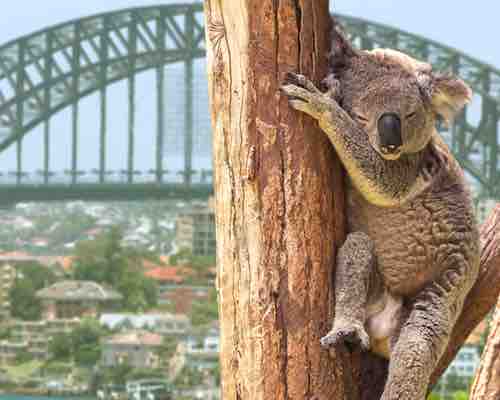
[47, 71]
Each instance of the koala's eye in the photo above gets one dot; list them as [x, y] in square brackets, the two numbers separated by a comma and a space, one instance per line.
[411, 115]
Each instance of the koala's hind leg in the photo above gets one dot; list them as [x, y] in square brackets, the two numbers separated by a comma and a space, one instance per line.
[356, 265]
[423, 337]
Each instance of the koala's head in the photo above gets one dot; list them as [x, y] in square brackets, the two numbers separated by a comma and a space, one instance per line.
[396, 99]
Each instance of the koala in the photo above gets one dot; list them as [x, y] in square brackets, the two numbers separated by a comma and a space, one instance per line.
[412, 250]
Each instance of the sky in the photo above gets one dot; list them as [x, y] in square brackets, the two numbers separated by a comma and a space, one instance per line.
[471, 27]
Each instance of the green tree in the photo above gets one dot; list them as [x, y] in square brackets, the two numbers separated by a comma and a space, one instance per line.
[168, 348]
[188, 377]
[30, 277]
[85, 341]
[60, 347]
[460, 395]
[182, 255]
[455, 382]
[205, 312]
[105, 260]
[117, 374]
[215, 372]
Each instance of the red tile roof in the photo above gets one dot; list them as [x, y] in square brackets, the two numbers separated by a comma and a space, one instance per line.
[147, 264]
[165, 274]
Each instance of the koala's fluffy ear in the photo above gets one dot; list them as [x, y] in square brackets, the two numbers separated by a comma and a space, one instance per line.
[342, 50]
[448, 95]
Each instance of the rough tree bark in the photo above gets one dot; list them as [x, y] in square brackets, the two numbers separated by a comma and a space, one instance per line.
[279, 201]
[486, 385]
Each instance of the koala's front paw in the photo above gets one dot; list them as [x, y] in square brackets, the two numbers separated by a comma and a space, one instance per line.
[305, 97]
[351, 335]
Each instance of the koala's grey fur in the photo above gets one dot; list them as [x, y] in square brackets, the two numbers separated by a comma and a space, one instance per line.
[412, 253]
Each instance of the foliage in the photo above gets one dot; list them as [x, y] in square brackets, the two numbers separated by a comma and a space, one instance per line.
[56, 368]
[205, 312]
[455, 382]
[215, 372]
[23, 357]
[5, 332]
[20, 371]
[60, 346]
[188, 377]
[105, 260]
[168, 348]
[145, 373]
[203, 262]
[82, 344]
[116, 375]
[85, 340]
[183, 255]
[30, 277]
[460, 395]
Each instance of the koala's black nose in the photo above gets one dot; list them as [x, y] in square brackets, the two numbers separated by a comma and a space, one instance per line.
[389, 130]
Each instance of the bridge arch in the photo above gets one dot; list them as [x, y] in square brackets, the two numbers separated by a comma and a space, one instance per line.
[49, 70]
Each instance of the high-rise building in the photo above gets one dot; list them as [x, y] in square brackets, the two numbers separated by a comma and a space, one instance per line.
[195, 230]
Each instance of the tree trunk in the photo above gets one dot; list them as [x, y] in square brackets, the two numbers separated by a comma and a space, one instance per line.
[486, 385]
[279, 203]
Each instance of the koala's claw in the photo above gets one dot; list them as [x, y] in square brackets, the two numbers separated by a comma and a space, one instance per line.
[302, 81]
[304, 96]
[350, 336]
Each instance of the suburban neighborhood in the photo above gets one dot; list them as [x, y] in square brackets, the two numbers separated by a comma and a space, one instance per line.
[127, 304]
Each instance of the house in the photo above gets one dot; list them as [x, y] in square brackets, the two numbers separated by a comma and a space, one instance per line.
[201, 348]
[70, 299]
[161, 323]
[165, 275]
[9, 351]
[33, 338]
[136, 348]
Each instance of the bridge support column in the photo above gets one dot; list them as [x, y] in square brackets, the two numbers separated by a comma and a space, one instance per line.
[20, 78]
[132, 35]
[188, 84]
[160, 98]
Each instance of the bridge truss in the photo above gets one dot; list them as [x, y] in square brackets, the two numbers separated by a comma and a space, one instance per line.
[50, 70]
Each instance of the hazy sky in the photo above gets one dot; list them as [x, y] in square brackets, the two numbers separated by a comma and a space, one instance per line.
[469, 26]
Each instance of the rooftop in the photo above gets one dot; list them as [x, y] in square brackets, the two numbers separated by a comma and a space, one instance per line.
[165, 274]
[78, 290]
[135, 338]
[138, 321]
